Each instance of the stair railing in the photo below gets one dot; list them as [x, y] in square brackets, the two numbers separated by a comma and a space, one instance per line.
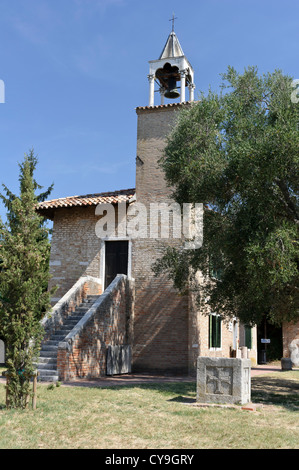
[54, 319]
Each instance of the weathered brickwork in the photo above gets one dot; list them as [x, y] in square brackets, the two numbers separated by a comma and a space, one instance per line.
[75, 248]
[154, 124]
[161, 315]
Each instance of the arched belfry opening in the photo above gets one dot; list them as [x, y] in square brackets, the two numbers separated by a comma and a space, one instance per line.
[172, 73]
[168, 77]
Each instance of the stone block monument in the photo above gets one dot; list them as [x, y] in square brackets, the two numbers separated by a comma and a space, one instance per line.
[223, 380]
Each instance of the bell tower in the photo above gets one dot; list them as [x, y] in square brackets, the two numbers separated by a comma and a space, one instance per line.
[162, 324]
[171, 68]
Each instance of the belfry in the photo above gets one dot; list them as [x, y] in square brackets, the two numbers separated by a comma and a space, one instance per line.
[171, 68]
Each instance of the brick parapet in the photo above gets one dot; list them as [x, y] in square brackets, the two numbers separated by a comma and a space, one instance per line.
[54, 319]
[107, 322]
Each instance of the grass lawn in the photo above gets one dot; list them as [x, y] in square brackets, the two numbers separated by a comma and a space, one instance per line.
[153, 416]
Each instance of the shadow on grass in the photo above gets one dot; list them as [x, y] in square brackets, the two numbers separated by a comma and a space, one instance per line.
[275, 391]
[265, 390]
[188, 389]
[181, 399]
[268, 390]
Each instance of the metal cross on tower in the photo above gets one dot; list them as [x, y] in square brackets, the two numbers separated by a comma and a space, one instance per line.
[172, 19]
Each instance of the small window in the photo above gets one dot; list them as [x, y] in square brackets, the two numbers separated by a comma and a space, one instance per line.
[216, 273]
[215, 331]
[215, 269]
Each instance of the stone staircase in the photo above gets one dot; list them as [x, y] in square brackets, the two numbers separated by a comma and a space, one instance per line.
[47, 363]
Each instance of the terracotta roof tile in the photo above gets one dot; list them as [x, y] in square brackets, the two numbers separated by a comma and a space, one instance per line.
[168, 105]
[123, 195]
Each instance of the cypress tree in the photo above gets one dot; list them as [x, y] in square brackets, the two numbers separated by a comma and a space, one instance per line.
[24, 276]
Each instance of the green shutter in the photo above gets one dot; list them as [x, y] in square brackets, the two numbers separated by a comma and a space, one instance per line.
[210, 331]
[218, 332]
[248, 337]
[214, 331]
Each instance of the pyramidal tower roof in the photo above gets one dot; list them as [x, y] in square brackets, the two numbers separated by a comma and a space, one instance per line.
[172, 47]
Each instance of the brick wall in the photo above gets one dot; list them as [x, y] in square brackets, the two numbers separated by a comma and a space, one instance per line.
[161, 326]
[109, 322]
[75, 248]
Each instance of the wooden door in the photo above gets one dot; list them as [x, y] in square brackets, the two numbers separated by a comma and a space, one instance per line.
[116, 260]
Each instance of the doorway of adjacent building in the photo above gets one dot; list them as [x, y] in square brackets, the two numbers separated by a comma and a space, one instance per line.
[116, 259]
[269, 351]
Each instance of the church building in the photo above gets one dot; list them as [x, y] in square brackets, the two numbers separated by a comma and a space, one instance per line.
[163, 329]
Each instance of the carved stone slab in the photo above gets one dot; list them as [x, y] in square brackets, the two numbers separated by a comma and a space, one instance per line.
[223, 380]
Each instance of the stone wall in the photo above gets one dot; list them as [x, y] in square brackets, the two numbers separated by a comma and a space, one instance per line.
[108, 322]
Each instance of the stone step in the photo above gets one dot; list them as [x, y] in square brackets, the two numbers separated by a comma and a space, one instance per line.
[46, 347]
[82, 309]
[48, 353]
[47, 372]
[52, 342]
[65, 327]
[56, 337]
[52, 376]
[63, 332]
[47, 366]
[47, 360]
[75, 319]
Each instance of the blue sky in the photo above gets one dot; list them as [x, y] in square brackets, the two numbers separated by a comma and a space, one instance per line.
[75, 70]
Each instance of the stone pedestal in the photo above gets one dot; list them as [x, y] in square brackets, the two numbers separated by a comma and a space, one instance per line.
[223, 380]
[286, 363]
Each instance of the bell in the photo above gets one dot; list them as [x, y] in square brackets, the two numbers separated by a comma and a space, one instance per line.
[171, 91]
